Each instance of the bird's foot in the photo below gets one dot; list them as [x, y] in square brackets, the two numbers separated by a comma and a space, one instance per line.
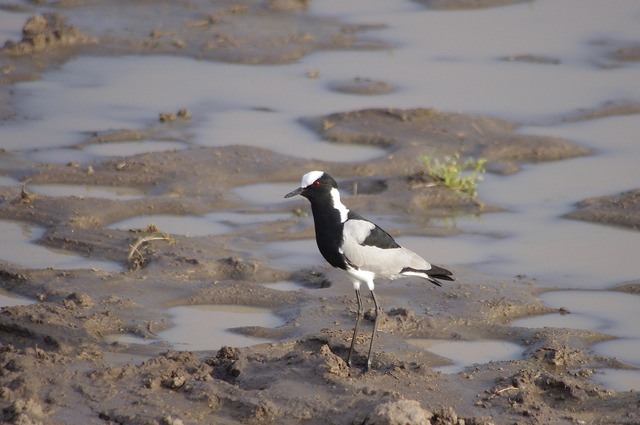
[368, 367]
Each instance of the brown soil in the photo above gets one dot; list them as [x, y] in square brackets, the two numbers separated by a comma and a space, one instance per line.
[621, 210]
[56, 366]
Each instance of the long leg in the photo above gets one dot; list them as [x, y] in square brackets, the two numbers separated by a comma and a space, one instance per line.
[375, 328]
[355, 330]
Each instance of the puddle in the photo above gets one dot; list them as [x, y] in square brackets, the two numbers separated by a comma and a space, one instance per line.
[277, 132]
[619, 379]
[133, 147]
[210, 224]
[609, 310]
[7, 299]
[467, 353]
[100, 99]
[86, 191]
[273, 193]
[25, 252]
[293, 255]
[557, 251]
[9, 181]
[453, 75]
[103, 93]
[611, 313]
[541, 244]
[558, 320]
[456, 75]
[265, 193]
[60, 156]
[462, 249]
[174, 224]
[206, 327]
[285, 285]
[115, 92]
[626, 350]
[11, 24]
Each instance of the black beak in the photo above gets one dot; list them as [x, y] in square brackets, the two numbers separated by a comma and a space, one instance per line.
[298, 191]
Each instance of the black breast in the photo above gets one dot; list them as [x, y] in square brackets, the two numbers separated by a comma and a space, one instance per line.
[329, 234]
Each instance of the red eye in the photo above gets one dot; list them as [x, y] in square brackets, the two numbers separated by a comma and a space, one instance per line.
[316, 183]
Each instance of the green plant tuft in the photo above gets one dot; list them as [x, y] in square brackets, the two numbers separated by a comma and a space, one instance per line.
[456, 174]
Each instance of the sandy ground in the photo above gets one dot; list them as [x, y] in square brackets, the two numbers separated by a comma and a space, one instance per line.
[56, 366]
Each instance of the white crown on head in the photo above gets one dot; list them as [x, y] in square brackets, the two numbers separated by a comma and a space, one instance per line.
[310, 177]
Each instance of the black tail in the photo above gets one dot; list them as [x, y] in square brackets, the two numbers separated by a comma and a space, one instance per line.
[432, 274]
[440, 273]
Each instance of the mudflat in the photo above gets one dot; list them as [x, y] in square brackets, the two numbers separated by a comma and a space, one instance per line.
[58, 364]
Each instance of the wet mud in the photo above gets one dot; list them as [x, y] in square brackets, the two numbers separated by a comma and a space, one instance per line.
[57, 364]
[621, 210]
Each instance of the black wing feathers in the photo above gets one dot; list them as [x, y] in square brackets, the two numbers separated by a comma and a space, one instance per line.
[440, 273]
[377, 236]
[435, 272]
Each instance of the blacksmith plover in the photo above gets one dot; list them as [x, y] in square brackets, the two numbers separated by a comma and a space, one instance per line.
[355, 244]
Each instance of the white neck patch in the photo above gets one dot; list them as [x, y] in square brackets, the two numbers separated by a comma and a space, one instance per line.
[310, 177]
[344, 211]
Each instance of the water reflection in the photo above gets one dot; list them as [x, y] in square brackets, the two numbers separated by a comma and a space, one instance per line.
[25, 252]
[467, 353]
[206, 327]
[8, 299]
[611, 313]
[87, 191]
[209, 224]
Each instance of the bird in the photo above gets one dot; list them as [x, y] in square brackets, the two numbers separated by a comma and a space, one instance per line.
[365, 251]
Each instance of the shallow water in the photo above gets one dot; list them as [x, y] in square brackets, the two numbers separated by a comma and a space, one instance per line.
[11, 24]
[292, 255]
[437, 65]
[434, 65]
[285, 285]
[9, 181]
[611, 313]
[265, 193]
[133, 147]
[87, 191]
[8, 299]
[207, 327]
[607, 312]
[62, 156]
[25, 252]
[464, 354]
[619, 379]
[208, 224]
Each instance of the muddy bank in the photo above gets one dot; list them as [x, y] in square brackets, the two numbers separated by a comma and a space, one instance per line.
[620, 210]
[301, 376]
[410, 134]
[276, 31]
[58, 361]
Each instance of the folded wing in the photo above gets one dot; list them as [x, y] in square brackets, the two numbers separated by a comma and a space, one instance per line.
[367, 246]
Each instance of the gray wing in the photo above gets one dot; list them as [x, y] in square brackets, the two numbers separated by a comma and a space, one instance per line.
[368, 247]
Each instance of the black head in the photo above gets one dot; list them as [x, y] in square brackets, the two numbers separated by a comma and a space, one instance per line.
[315, 184]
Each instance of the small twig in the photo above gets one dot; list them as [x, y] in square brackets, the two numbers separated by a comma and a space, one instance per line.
[23, 192]
[421, 185]
[476, 128]
[496, 393]
[135, 246]
[506, 389]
